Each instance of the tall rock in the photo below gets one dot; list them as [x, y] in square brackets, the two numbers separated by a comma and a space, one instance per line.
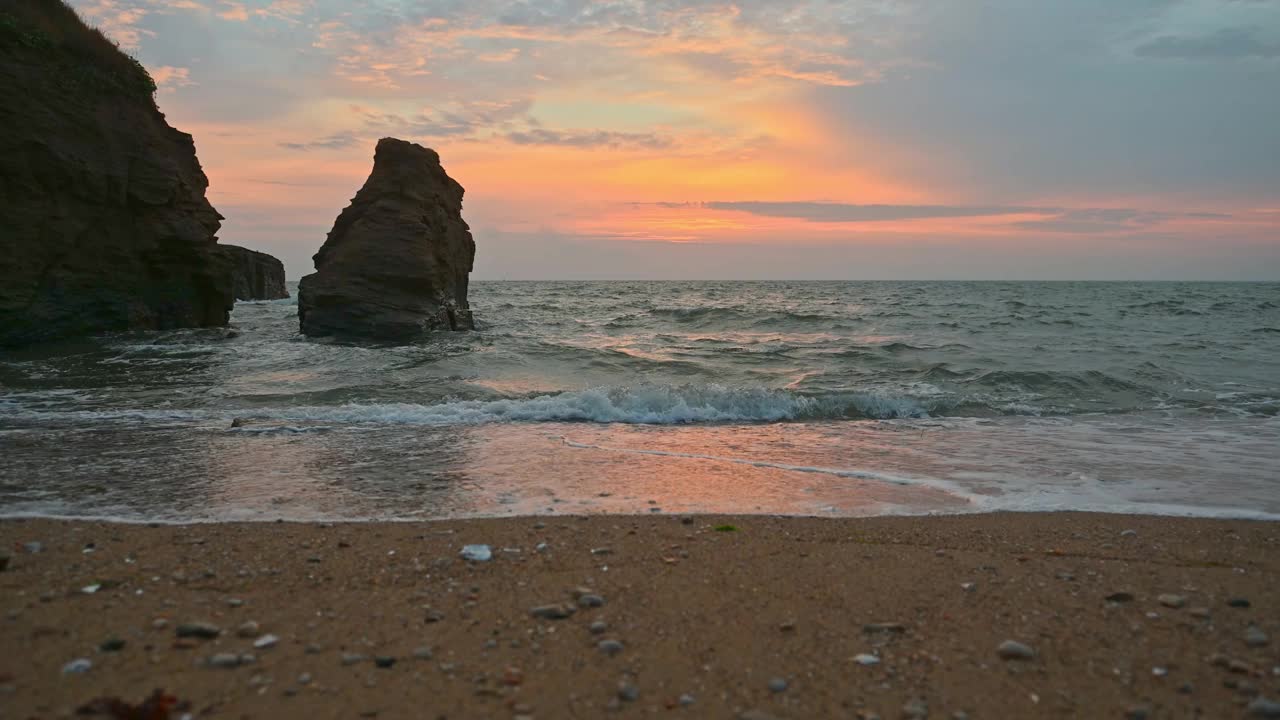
[104, 223]
[254, 275]
[396, 263]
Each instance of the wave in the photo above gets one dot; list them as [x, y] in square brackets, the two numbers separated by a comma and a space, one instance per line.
[934, 391]
[636, 404]
[702, 317]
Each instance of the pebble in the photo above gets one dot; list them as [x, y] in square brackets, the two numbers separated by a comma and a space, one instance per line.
[884, 627]
[609, 647]
[249, 629]
[968, 586]
[476, 553]
[1172, 601]
[79, 666]
[628, 692]
[1238, 602]
[33, 547]
[111, 645]
[777, 684]
[865, 659]
[266, 641]
[1255, 637]
[1128, 533]
[1264, 708]
[1199, 612]
[598, 627]
[304, 679]
[422, 653]
[204, 630]
[351, 658]
[1137, 712]
[590, 601]
[915, 709]
[234, 602]
[1120, 597]
[552, 612]
[224, 660]
[686, 700]
[384, 661]
[1013, 650]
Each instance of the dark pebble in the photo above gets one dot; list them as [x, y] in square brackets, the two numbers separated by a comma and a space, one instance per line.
[111, 645]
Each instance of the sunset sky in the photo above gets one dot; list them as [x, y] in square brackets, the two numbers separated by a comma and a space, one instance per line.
[868, 139]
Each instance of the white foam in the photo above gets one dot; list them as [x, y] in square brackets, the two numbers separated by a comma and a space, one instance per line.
[638, 404]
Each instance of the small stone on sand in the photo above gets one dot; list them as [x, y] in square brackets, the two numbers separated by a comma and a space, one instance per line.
[204, 630]
[224, 660]
[1264, 708]
[476, 553]
[1255, 637]
[1014, 650]
[552, 612]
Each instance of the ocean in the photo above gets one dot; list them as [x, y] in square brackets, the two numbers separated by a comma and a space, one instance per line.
[804, 398]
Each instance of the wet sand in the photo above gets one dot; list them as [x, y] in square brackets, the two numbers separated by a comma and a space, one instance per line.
[774, 619]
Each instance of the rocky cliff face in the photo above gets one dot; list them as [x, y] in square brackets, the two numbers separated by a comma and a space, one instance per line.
[396, 263]
[254, 275]
[105, 222]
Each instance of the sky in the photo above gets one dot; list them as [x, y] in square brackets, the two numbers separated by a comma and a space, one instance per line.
[778, 139]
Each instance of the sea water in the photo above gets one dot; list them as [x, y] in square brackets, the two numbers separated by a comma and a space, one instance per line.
[815, 398]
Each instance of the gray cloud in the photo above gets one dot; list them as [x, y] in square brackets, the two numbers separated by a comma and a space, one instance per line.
[588, 138]
[337, 141]
[1056, 219]
[1225, 44]
[848, 212]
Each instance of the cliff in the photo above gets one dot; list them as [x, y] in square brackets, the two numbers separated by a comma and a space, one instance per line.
[397, 261]
[254, 275]
[105, 222]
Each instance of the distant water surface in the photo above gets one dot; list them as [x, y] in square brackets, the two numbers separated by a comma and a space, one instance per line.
[840, 398]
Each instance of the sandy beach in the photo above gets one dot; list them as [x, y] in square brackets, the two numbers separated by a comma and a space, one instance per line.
[705, 616]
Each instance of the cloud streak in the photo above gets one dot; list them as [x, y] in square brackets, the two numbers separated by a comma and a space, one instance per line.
[1225, 44]
[1050, 219]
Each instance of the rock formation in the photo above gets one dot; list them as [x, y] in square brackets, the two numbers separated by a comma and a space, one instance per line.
[396, 263]
[104, 223]
[254, 275]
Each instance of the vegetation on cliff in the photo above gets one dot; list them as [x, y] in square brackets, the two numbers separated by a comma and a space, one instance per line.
[78, 56]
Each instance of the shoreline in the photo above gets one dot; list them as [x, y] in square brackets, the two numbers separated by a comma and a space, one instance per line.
[781, 617]
[1191, 513]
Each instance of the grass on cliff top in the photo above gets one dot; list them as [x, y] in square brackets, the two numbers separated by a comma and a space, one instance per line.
[81, 56]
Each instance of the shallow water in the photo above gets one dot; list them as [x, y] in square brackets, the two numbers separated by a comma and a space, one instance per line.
[810, 398]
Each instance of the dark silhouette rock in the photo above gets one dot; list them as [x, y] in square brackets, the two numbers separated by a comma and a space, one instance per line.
[105, 225]
[254, 275]
[396, 263]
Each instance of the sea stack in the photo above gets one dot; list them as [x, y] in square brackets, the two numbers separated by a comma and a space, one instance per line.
[105, 222]
[396, 263]
[254, 275]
